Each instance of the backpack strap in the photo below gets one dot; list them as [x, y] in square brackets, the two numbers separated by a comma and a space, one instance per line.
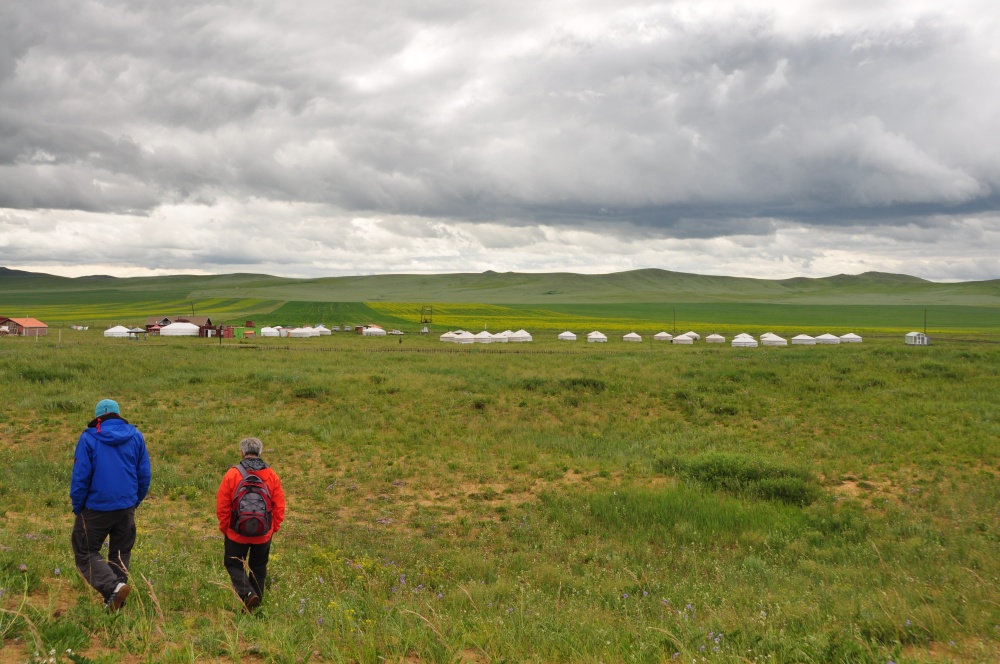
[243, 471]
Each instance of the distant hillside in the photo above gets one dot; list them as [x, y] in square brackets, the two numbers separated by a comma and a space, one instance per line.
[636, 286]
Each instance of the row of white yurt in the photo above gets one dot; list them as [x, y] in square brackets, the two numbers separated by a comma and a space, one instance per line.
[116, 332]
[596, 337]
[744, 340]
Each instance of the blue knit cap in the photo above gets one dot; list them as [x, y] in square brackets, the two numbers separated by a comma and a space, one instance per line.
[105, 406]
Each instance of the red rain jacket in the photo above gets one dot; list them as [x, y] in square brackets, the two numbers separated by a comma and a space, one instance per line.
[224, 504]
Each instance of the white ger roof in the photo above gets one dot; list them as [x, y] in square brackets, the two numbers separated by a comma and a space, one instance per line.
[597, 335]
[663, 336]
[632, 336]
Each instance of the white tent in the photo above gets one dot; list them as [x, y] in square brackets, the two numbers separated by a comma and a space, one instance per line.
[448, 337]
[663, 336]
[520, 335]
[693, 335]
[682, 339]
[715, 339]
[567, 336]
[500, 338]
[299, 333]
[323, 330]
[179, 330]
[827, 339]
[117, 332]
[596, 337]
[373, 332]
[483, 337]
[744, 340]
[313, 332]
[633, 337]
[850, 338]
[803, 340]
[917, 339]
[269, 332]
[767, 335]
[463, 337]
[773, 340]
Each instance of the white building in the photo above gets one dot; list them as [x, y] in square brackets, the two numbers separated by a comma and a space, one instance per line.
[596, 337]
[715, 339]
[116, 332]
[917, 339]
[682, 339]
[567, 336]
[827, 339]
[632, 337]
[803, 340]
[744, 340]
[850, 338]
[179, 330]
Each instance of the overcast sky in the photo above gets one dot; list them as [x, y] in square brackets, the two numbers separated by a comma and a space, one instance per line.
[321, 138]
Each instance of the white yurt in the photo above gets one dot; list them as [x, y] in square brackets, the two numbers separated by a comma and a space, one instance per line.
[917, 339]
[773, 340]
[483, 337]
[767, 335]
[500, 338]
[373, 332]
[299, 333]
[463, 337]
[715, 339]
[567, 336]
[632, 337]
[322, 330]
[117, 332]
[179, 330]
[520, 335]
[283, 331]
[682, 339]
[596, 337]
[803, 340]
[744, 340]
[313, 332]
[827, 339]
[268, 332]
[663, 336]
[850, 338]
[507, 333]
[694, 335]
[448, 337]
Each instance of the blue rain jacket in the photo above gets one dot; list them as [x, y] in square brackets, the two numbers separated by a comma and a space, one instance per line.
[110, 466]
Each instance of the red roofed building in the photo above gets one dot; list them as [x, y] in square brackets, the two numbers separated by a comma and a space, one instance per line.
[24, 327]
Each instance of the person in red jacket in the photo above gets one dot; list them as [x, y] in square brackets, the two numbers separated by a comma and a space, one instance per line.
[243, 551]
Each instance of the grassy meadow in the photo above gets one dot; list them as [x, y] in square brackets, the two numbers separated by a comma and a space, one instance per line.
[545, 502]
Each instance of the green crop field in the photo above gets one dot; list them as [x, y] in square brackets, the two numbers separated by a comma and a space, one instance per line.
[539, 502]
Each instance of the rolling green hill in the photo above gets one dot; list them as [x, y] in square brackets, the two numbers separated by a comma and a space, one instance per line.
[650, 295]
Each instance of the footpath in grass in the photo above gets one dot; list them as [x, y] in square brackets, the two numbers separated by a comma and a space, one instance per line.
[806, 504]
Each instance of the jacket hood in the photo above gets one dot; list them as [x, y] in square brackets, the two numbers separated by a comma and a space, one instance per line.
[111, 429]
[253, 463]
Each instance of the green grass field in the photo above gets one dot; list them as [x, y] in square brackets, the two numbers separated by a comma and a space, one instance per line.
[546, 502]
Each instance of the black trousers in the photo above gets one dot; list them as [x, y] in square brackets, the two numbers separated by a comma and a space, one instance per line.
[89, 532]
[240, 557]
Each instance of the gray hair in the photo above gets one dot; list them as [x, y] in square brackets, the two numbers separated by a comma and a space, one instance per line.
[251, 446]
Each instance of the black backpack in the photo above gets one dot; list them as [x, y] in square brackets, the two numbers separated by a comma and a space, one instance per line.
[252, 507]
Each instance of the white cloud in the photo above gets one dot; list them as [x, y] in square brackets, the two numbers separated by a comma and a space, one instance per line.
[721, 137]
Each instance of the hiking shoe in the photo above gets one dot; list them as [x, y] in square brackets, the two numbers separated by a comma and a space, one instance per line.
[251, 602]
[117, 598]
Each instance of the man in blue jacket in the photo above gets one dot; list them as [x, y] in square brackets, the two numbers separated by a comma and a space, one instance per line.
[110, 479]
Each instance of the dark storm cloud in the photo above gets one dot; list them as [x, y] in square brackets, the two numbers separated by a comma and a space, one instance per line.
[649, 120]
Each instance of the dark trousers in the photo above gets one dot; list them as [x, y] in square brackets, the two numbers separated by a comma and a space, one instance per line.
[89, 532]
[239, 557]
